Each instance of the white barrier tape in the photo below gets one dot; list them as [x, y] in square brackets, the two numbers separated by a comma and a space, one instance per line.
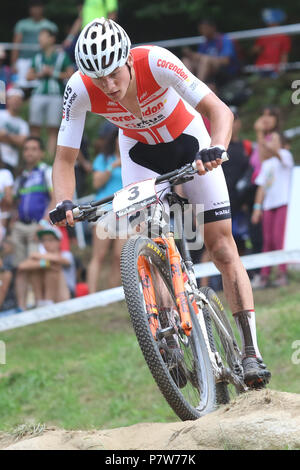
[272, 258]
[109, 296]
[37, 315]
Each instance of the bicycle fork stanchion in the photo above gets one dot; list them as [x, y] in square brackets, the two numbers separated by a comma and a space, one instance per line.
[149, 294]
[178, 283]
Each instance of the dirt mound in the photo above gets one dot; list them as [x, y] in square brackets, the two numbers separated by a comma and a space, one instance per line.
[256, 420]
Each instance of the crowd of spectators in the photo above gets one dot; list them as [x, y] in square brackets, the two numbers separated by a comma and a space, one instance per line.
[37, 266]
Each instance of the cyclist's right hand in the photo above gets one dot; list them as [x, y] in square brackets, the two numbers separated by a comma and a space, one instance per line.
[62, 214]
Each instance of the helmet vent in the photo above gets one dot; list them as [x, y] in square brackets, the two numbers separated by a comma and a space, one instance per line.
[94, 49]
[103, 45]
[93, 35]
[106, 65]
[84, 48]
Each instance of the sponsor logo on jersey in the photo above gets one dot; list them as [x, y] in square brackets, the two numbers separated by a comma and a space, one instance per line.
[169, 65]
[68, 101]
[145, 113]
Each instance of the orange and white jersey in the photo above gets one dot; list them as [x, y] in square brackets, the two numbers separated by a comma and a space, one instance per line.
[167, 94]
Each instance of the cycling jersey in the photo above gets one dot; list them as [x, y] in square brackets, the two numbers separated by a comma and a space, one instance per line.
[167, 94]
[169, 133]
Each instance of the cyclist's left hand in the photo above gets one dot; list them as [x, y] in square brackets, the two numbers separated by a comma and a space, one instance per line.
[209, 158]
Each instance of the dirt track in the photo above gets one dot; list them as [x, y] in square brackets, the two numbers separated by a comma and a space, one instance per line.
[256, 420]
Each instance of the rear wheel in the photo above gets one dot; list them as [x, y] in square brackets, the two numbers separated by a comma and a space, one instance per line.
[222, 341]
[179, 364]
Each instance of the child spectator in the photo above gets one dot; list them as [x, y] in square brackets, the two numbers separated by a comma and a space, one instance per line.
[50, 68]
[106, 180]
[45, 267]
[13, 129]
[271, 203]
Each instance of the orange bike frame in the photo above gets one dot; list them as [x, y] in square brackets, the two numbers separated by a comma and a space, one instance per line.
[178, 283]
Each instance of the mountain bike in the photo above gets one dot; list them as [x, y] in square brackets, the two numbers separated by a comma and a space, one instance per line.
[183, 330]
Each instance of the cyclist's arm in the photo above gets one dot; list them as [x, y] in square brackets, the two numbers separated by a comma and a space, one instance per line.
[63, 176]
[76, 104]
[169, 71]
[220, 117]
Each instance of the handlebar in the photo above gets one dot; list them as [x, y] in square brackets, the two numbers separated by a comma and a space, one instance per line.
[92, 211]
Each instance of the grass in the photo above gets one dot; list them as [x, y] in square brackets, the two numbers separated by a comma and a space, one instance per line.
[86, 371]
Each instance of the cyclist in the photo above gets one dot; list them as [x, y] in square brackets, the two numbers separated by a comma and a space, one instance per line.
[157, 104]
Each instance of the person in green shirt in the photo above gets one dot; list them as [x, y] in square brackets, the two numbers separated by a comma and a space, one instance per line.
[50, 68]
[98, 8]
[26, 31]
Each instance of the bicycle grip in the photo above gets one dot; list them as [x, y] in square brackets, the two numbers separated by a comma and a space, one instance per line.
[224, 158]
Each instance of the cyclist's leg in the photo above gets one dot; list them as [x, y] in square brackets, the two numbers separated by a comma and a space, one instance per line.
[211, 190]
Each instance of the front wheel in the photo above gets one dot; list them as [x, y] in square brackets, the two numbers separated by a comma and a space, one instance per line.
[180, 364]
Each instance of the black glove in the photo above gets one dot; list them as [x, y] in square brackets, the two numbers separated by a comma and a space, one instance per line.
[59, 213]
[211, 153]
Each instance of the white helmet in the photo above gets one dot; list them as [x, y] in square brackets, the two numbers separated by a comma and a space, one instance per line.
[102, 46]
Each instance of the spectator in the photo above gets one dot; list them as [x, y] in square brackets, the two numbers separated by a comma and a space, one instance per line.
[34, 200]
[7, 276]
[271, 203]
[216, 58]
[50, 68]
[83, 167]
[97, 8]
[267, 128]
[238, 172]
[106, 180]
[105, 131]
[26, 32]
[272, 51]
[87, 11]
[45, 267]
[6, 198]
[70, 42]
[13, 129]
[5, 76]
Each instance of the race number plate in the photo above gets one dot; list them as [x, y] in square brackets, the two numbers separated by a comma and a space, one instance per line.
[134, 197]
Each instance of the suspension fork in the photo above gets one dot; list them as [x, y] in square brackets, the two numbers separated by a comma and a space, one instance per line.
[178, 282]
[149, 294]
